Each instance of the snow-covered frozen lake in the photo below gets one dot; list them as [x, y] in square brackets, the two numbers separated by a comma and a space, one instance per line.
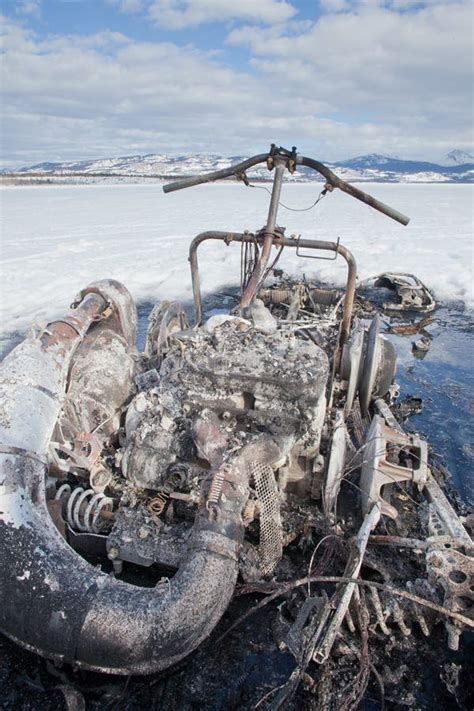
[56, 239]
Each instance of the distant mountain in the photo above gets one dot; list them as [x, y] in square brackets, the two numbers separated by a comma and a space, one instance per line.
[404, 167]
[460, 157]
[153, 164]
[372, 160]
[373, 168]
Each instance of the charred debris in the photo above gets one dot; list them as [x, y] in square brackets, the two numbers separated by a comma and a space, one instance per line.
[259, 452]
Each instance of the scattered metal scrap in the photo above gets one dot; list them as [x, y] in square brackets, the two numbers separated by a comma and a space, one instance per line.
[421, 346]
[411, 293]
[407, 407]
[410, 328]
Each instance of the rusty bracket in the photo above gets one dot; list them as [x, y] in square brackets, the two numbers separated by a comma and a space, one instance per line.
[278, 241]
[85, 454]
[311, 256]
[382, 463]
[453, 570]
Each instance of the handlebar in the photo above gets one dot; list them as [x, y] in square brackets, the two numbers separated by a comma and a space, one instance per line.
[216, 175]
[331, 178]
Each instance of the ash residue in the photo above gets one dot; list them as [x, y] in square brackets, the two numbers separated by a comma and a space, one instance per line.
[250, 667]
[407, 673]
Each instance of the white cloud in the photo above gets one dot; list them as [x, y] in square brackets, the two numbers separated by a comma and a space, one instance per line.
[364, 80]
[412, 68]
[102, 95]
[335, 5]
[128, 5]
[417, 4]
[180, 14]
[29, 7]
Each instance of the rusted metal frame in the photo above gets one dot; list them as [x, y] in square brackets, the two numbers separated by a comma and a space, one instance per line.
[398, 542]
[238, 169]
[339, 604]
[278, 241]
[332, 179]
[269, 234]
[336, 182]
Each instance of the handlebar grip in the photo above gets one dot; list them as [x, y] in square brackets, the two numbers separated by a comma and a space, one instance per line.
[216, 175]
[184, 183]
[337, 182]
[373, 202]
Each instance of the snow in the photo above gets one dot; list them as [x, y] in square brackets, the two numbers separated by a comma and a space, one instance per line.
[459, 157]
[369, 168]
[56, 239]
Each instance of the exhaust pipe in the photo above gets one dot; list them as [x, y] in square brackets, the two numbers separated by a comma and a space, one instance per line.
[52, 601]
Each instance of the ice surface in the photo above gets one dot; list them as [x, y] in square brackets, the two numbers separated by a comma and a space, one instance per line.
[56, 239]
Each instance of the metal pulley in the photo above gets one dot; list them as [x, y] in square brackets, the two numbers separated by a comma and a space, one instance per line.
[368, 364]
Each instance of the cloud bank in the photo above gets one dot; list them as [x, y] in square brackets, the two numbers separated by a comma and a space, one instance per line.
[393, 77]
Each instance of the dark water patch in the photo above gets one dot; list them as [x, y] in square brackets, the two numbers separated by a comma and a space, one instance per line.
[444, 380]
[8, 341]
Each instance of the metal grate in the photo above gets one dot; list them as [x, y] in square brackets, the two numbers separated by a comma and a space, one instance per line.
[271, 533]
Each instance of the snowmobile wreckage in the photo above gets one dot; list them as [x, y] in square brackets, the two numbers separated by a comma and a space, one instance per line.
[204, 457]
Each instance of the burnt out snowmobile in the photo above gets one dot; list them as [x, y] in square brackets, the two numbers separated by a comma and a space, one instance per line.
[205, 456]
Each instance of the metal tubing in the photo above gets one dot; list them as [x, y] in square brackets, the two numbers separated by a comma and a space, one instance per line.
[90, 619]
[75, 323]
[278, 241]
[269, 233]
[331, 178]
[216, 175]
[328, 635]
[280, 168]
[337, 182]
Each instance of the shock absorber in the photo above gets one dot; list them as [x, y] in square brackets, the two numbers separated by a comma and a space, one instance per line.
[86, 510]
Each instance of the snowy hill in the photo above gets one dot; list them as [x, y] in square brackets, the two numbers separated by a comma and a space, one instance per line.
[373, 168]
[390, 168]
[154, 164]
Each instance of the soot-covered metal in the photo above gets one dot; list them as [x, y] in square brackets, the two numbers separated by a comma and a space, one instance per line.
[211, 456]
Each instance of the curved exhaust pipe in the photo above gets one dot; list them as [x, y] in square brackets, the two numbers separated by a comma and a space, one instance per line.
[52, 601]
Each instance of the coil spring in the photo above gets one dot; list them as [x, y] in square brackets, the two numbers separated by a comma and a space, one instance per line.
[325, 297]
[276, 296]
[249, 512]
[84, 507]
[157, 505]
[216, 488]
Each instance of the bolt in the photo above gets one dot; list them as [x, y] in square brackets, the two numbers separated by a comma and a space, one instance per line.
[113, 553]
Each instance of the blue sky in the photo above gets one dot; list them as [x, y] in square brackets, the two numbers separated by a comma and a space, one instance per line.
[85, 78]
[90, 16]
